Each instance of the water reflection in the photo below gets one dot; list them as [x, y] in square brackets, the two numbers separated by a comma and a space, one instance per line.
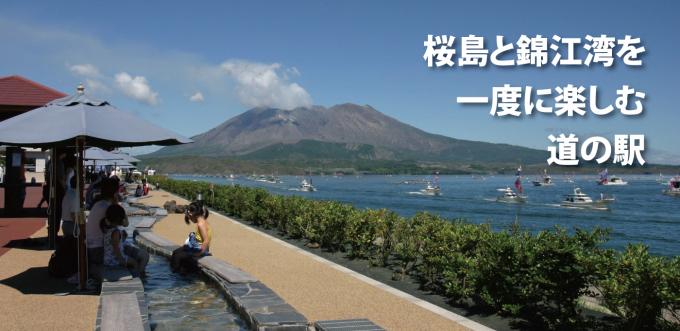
[185, 302]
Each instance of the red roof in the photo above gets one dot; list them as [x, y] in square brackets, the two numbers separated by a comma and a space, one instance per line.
[19, 91]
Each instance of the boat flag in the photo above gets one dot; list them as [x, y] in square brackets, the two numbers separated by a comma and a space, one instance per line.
[518, 181]
[604, 176]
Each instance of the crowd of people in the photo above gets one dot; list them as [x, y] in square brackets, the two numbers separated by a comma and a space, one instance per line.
[106, 238]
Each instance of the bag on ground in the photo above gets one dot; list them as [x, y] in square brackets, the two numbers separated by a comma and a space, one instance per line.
[64, 260]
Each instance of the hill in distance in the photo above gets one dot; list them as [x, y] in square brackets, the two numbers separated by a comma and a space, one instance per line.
[346, 136]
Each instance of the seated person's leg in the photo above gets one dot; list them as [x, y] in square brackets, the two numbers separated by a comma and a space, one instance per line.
[95, 260]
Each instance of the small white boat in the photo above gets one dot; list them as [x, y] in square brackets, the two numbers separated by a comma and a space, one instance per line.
[306, 186]
[605, 179]
[545, 181]
[673, 187]
[509, 196]
[612, 181]
[431, 189]
[578, 199]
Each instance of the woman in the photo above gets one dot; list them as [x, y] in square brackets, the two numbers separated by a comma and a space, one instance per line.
[198, 244]
[198, 214]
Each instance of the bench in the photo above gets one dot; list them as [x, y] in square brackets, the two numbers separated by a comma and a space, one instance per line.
[121, 312]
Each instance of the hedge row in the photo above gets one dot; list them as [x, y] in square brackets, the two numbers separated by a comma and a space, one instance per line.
[539, 277]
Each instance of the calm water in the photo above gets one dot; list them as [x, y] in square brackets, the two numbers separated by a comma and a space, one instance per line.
[185, 302]
[641, 212]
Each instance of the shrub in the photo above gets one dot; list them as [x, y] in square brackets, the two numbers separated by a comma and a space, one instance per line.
[254, 206]
[460, 271]
[385, 221]
[635, 287]
[409, 236]
[433, 252]
[362, 233]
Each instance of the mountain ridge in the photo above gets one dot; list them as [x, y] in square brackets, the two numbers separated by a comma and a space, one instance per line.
[252, 133]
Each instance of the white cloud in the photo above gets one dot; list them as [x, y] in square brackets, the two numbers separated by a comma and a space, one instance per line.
[96, 86]
[197, 97]
[86, 70]
[93, 78]
[94, 62]
[262, 85]
[137, 88]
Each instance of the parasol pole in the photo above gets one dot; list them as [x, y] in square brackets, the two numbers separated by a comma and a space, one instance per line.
[82, 250]
[51, 210]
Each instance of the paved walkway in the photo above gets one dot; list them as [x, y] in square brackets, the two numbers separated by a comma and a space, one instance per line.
[29, 298]
[316, 288]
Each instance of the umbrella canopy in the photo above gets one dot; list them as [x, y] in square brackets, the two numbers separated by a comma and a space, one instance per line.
[104, 163]
[128, 158]
[78, 120]
[59, 122]
[96, 153]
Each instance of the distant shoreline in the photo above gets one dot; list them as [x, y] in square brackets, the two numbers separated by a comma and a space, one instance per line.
[225, 166]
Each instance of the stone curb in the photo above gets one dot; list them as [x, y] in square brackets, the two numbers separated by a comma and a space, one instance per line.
[119, 281]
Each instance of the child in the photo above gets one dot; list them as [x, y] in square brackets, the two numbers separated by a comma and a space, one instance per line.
[114, 254]
[184, 259]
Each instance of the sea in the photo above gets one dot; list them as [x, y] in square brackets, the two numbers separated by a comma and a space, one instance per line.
[639, 214]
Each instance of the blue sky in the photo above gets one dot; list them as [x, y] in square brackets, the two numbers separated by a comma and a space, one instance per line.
[152, 58]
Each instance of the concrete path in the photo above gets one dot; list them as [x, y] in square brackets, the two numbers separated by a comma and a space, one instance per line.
[318, 289]
[29, 298]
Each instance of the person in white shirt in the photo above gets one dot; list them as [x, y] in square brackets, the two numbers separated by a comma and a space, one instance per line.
[69, 209]
[95, 236]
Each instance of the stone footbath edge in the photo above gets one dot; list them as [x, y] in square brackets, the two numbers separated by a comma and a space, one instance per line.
[259, 306]
[461, 320]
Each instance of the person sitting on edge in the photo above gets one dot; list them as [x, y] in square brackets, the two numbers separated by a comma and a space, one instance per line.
[198, 214]
[145, 186]
[198, 244]
[95, 237]
[139, 191]
[114, 252]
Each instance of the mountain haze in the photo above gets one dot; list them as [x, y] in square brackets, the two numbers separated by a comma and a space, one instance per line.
[342, 132]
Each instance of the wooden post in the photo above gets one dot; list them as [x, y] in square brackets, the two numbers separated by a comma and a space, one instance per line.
[80, 186]
[52, 217]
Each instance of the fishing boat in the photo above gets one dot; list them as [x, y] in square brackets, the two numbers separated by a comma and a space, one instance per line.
[661, 180]
[605, 179]
[578, 199]
[306, 186]
[607, 197]
[509, 196]
[673, 187]
[432, 187]
[546, 180]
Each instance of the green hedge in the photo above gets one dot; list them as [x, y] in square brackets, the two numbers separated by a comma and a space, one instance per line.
[538, 276]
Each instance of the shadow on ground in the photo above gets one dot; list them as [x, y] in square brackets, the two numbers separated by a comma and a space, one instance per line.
[34, 244]
[26, 212]
[36, 280]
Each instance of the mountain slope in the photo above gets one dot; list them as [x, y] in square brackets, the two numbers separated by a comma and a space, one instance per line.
[345, 132]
